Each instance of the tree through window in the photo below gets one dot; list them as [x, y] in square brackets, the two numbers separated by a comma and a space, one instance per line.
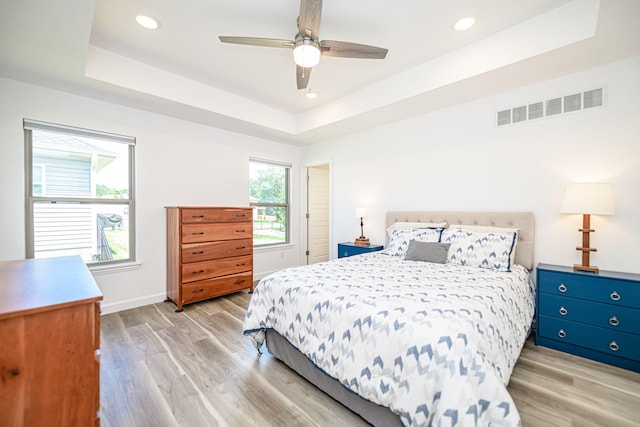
[269, 194]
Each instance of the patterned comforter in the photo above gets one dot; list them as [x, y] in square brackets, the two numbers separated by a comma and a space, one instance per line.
[436, 343]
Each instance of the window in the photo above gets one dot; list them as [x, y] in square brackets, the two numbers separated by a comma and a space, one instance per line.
[80, 193]
[269, 194]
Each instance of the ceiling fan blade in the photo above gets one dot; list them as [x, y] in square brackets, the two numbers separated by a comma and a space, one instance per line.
[256, 41]
[302, 76]
[351, 50]
[309, 18]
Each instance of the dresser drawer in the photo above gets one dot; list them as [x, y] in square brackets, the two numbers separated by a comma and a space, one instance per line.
[213, 268]
[214, 250]
[610, 342]
[201, 215]
[590, 287]
[609, 316]
[214, 287]
[198, 233]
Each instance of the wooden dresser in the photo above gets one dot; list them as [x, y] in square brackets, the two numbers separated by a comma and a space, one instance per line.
[49, 343]
[209, 252]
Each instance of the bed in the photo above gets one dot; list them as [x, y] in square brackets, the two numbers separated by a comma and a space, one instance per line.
[402, 339]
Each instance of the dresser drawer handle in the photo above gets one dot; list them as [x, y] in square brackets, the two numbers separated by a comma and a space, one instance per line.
[615, 296]
[240, 215]
[240, 231]
[197, 253]
[613, 321]
[613, 346]
[195, 291]
[197, 232]
[197, 216]
[240, 265]
[562, 333]
[197, 272]
[238, 248]
[239, 282]
[562, 288]
[346, 254]
[563, 311]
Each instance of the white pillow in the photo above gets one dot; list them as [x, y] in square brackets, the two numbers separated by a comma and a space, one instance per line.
[411, 225]
[484, 250]
[491, 229]
[399, 240]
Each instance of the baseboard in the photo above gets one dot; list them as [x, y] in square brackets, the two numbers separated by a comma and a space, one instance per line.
[132, 303]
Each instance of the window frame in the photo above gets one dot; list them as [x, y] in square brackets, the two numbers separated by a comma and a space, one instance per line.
[286, 205]
[30, 200]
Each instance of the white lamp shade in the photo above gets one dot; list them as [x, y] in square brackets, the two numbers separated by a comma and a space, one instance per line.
[361, 212]
[306, 55]
[588, 198]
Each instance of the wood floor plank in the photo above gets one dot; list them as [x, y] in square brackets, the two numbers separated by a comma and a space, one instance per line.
[196, 368]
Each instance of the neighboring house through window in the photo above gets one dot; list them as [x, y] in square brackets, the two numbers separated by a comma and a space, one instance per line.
[80, 193]
[269, 195]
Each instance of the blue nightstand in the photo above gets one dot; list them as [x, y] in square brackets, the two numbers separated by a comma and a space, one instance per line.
[346, 249]
[590, 315]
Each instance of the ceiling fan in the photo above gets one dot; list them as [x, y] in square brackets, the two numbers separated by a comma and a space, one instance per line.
[307, 47]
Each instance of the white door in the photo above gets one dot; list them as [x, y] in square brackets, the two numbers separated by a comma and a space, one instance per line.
[317, 214]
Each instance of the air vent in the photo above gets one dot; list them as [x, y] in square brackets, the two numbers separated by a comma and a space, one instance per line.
[520, 114]
[551, 107]
[536, 110]
[593, 98]
[554, 106]
[572, 102]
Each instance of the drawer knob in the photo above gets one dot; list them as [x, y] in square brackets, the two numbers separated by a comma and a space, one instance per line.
[615, 296]
[240, 265]
[613, 346]
[239, 248]
[240, 215]
[613, 321]
[198, 232]
[240, 231]
[197, 216]
[197, 253]
[563, 311]
[562, 333]
[346, 254]
[562, 288]
[239, 282]
[195, 291]
[197, 272]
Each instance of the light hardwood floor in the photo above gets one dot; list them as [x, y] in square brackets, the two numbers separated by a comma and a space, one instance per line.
[195, 368]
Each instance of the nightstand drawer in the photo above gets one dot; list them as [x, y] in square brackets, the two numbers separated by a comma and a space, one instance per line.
[614, 343]
[349, 249]
[590, 287]
[608, 316]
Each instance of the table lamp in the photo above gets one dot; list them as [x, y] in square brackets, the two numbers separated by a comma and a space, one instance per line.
[587, 199]
[361, 241]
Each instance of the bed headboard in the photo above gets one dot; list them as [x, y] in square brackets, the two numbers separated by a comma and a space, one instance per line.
[522, 220]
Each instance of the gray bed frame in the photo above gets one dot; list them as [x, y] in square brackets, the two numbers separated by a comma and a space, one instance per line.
[375, 414]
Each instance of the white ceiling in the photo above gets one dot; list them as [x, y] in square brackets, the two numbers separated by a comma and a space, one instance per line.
[95, 48]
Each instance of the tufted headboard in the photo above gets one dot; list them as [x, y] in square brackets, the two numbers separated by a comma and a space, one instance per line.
[521, 220]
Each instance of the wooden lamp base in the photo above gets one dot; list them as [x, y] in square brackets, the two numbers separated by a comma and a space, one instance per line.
[585, 230]
[362, 241]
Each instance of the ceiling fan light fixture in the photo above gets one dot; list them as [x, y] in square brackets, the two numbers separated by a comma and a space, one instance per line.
[148, 22]
[306, 54]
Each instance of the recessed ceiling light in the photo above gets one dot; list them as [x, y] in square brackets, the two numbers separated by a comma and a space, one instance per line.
[311, 95]
[148, 22]
[464, 23]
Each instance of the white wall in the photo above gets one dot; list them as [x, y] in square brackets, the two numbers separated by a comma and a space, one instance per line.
[178, 163]
[457, 159]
